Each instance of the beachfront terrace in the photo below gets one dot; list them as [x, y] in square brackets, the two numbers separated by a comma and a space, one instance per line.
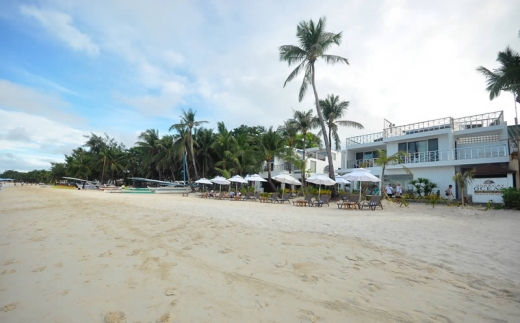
[473, 153]
[472, 122]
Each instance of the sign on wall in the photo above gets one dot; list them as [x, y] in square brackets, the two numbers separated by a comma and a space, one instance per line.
[486, 189]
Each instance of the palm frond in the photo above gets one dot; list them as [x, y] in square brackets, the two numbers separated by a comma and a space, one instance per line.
[333, 59]
[294, 73]
[351, 124]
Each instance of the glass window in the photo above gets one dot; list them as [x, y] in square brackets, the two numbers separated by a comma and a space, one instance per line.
[359, 155]
[433, 144]
[422, 146]
[402, 147]
[369, 155]
[313, 166]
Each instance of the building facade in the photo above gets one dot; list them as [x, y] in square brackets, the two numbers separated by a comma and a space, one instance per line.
[435, 149]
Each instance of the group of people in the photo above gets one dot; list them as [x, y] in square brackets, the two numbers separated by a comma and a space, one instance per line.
[232, 194]
[398, 190]
[390, 190]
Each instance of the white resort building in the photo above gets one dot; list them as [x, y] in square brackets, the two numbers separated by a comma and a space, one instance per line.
[437, 149]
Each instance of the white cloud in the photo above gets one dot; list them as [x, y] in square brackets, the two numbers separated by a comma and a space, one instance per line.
[61, 25]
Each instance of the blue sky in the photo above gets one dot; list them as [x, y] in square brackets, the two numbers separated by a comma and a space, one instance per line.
[69, 68]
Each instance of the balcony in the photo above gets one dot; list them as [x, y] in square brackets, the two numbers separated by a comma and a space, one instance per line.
[365, 139]
[472, 122]
[469, 153]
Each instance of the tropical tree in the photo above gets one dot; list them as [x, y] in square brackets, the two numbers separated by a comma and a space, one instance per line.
[188, 121]
[225, 146]
[384, 160]
[314, 42]
[289, 132]
[149, 142]
[463, 180]
[333, 109]
[506, 77]
[203, 139]
[304, 121]
[270, 145]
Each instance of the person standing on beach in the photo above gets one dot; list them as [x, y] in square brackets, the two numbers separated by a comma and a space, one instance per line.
[398, 192]
[449, 194]
[389, 190]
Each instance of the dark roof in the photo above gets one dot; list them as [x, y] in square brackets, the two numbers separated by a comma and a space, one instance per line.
[492, 169]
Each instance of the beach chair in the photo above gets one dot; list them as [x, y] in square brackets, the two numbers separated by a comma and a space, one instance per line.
[324, 199]
[255, 197]
[284, 198]
[373, 203]
[274, 197]
[308, 200]
[246, 197]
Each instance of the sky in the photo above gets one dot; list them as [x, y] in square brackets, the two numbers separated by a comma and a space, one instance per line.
[69, 68]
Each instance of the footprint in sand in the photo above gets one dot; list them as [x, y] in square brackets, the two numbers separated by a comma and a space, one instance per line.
[377, 262]
[309, 279]
[58, 265]
[37, 270]
[10, 271]
[10, 262]
[281, 264]
[308, 316]
[106, 254]
[9, 307]
[170, 291]
[164, 319]
[135, 252]
[120, 245]
[115, 317]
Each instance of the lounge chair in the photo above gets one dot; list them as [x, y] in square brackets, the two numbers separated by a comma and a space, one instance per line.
[284, 198]
[246, 197]
[324, 199]
[308, 199]
[274, 197]
[375, 201]
[255, 197]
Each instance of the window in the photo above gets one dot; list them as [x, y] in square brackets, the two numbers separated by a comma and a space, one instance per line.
[313, 166]
[423, 150]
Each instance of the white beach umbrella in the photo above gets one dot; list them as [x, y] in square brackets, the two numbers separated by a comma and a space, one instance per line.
[361, 175]
[255, 178]
[341, 180]
[321, 179]
[203, 181]
[287, 179]
[220, 180]
[237, 179]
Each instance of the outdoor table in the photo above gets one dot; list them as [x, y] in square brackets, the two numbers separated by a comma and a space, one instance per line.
[301, 203]
[264, 199]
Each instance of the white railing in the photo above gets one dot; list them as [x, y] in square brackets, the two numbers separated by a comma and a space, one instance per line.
[358, 140]
[418, 127]
[440, 155]
[477, 121]
[480, 152]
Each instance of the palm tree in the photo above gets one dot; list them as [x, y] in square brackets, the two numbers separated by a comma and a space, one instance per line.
[149, 144]
[506, 77]
[188, 121]
[204, 138]
[333, 109]
[270, 145]
[384, 160]
[225, 146]
[314, 41]
[303, 122]
[289, 132]
[463, 180]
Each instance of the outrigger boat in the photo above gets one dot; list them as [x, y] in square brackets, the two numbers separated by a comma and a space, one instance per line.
[166, 188]
[83, 183]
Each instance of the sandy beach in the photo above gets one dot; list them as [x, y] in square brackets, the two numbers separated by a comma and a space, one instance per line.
[86, 256]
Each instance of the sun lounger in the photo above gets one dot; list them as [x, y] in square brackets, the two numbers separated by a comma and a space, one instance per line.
[352, 202]
[284, 198]
[274, 197]
[324, 199]
[375, 201]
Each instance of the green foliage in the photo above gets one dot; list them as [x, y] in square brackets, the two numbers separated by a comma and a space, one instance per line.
[463, 180]
[434, 199]
[423, 186]
[511, 198]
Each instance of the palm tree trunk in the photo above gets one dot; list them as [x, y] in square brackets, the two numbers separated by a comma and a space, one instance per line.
[269, 175]
[324, 131]
[304, 159]
[193, 156]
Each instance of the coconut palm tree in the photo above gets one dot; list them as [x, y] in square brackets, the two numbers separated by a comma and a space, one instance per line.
[314, 42]
[384, 160]
[506, 77]
[188, 121]
[333, 109]
[270, 144]
[149, 141]
[463, 180]
[204, 138]
[304, 121]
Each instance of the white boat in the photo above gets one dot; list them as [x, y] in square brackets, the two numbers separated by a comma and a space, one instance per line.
[170, 189]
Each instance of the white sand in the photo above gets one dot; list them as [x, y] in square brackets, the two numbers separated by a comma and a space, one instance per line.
[83, 256]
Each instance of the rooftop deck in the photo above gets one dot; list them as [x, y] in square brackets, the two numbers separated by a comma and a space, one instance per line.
[477, 121]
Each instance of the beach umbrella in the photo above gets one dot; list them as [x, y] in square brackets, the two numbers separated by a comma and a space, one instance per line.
[237, 179]
[287, 179]
[321, 179]
[361, 175]
[203, 181]
[220, 181]
[255, 178]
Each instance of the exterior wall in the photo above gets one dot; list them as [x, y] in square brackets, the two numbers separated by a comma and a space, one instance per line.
[442, 176]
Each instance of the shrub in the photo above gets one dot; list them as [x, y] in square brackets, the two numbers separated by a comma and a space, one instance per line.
[511, 197]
